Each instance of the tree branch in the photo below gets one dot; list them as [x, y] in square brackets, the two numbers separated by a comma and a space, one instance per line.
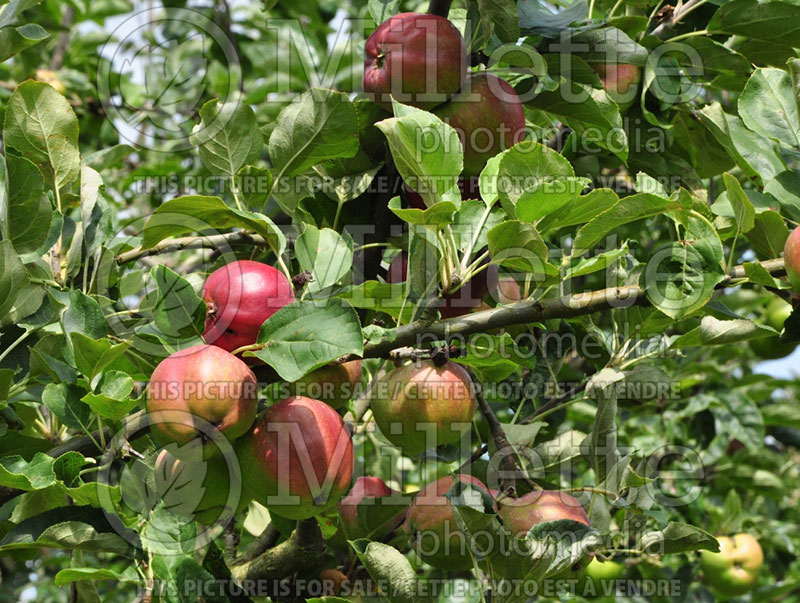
[439, 7]
[194, 242]
[303, 550]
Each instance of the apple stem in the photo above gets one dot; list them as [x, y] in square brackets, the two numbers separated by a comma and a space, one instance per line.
[439, 7]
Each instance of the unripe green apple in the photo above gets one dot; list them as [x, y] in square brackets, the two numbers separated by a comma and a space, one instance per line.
[774, 347]
[620, 81]
[421, 406]
[734, 570]
[488, 117]
[602, 575]
[333, 384]
[432, 525]
[298, 459]
[201, 382]
[791, 258]
[239, 297]
[418, 59]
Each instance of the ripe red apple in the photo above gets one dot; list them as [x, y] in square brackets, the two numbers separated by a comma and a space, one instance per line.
[240, 297]
[363, 494]
[398, 269]
[734, 570]
[488, 116]
[432, 525]
[520, 514]
[791, 257]
[204, 382]
[620, 81]
[333, 384]
[298, 459]
[418, 59]
[420, 406]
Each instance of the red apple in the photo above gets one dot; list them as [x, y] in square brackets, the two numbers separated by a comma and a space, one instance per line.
[398, 269]
[418, 59]
[202, 382]
[432, 524]
[363, 494]
[298, 459]
[421, 406]
[240, 297]
[620, 81]
[520, 514]
[333, 384]
[488, 116]
[791, 257]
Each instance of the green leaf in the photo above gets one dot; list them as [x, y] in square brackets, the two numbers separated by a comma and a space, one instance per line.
[600, 446]
[14, 39]
[438, 215]
[105, 158]
[785, 187]
[41, 124]
[78, 574]
[678, 538]
[536, 180]
[178, 312]
[71, 528]
[743, 210]
[13, 276]
[499, 17]
[64, 401]
[324, 253]
[427, 153]
[721, 332]
[768, 106]
[768, 235]
[83, 315]
[627, 210]
[227, 136]
[319, 125]
[381, 10]
[254, 184]
[588, 111]
[20, 474]
[111, 400]
[518, 246]
[596, 262]
[580, 210]
[197, 213]
[304, 336]
[774, 22]
[92, 355]
[386, 565]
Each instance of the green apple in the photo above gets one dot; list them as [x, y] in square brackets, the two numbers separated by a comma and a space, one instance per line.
[774, 347]
[734, 570]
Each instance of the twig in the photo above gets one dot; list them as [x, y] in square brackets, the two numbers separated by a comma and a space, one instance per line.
[439, 7]
[508, 459]
[194, 242]
[265, 541]
[57, 60]
[679, 13]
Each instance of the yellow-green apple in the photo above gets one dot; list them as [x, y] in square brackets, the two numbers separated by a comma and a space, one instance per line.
[603, 576]
[432, 525]
[773, 347]
[488, 117]
[200, 390]
[734, 570]
[334, 384]
[418, 59]
[298, 459]
[239, 297]
[421, 405]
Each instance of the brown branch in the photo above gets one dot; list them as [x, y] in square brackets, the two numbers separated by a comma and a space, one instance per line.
[302, 551]
[509, 461]
[679, 13]
[57, 59]
[194, 242]
[266, 540]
